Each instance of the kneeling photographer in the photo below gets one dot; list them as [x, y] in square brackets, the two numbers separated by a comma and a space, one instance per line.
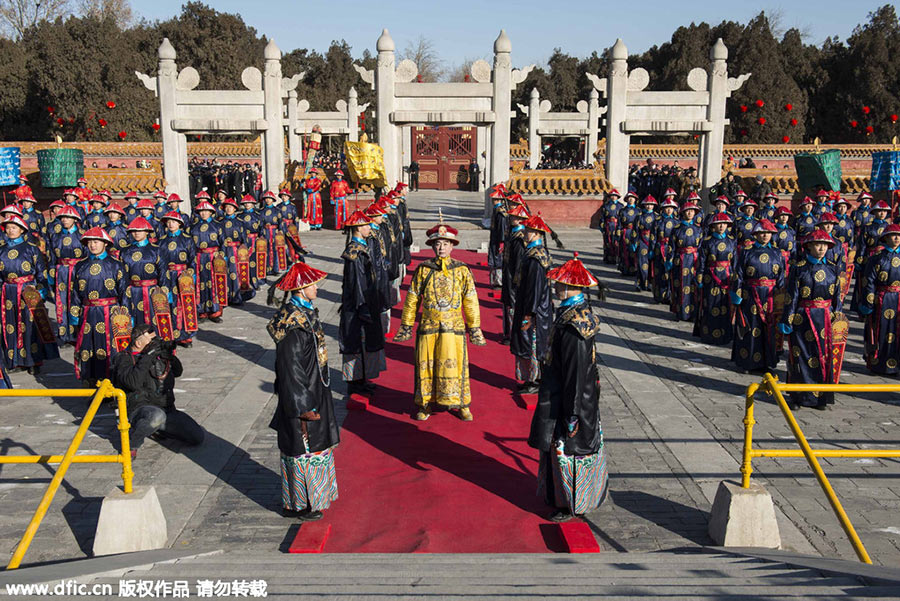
[146, 371]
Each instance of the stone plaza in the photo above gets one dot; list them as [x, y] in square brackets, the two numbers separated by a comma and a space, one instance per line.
[672, 412]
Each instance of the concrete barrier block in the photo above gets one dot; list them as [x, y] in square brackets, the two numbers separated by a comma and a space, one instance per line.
[132, 522]
[743, 517]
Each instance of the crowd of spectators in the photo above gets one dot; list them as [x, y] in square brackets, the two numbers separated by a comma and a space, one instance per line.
[235, 178]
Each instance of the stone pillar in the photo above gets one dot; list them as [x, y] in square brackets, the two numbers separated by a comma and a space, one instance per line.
[711, 167]
[273, 138]
[406, 148]
[384, 91]
[294, 146]
[176, 178]
[617, 142]
[502, 80]
[593, 126]
[353, 115]
[534, 122]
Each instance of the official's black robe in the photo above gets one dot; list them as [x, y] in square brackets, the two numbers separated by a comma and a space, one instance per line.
[499, 231]
[513, 250]
[301, 381]
[569, 386]
[403, 212]
[361, 302]
[532, 298]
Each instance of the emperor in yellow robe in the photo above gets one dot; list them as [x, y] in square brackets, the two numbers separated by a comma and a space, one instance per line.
[445, 289]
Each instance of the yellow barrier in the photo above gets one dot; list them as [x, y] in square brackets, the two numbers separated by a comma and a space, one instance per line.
[104, 390]
[771, 385]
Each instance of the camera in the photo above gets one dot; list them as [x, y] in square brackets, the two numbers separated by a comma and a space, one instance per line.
[164, 348]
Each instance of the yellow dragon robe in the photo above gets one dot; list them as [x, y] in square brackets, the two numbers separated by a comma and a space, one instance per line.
[446, 292]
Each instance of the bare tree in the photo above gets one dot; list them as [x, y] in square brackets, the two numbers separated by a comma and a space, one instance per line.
[18, 15]
[120, 10]
[459, 73]
[421, 51]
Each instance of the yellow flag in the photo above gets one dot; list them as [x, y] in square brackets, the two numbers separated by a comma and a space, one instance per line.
[365, 162]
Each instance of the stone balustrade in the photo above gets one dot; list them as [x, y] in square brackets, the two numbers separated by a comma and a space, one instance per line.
[559, 182]
[144, 149]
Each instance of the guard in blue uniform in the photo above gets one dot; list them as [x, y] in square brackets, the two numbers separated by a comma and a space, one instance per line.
[758, 273]
[71, 198]
[142, 271]
[836, 254]
[640, 243]
[662, 249]
[27, 342]
[131, 207]
[718, 252]
[805, 221]
[860, 214]
[33, 219]
[683, 265]
[813, 293]
[628, 215]
[162, 206]
[147, 210]
[271, 226]
[178, 254]
[173, 203]
[289, 217]
[238, 249]
[96, 217]
[767, 211]
[880, 304]
[65, 252]
[844, 231]
[116, 229]
[721, 205]
[207, 236]
[609, 213]
[868, 245]
[785, 239]
[745, 223]
[99, 287]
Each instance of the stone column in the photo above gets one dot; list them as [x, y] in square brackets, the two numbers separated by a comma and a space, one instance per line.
[176, 177]
[502, 80]
[388, 137]
[711, 168]
[617, 142]
[593, 126]
[353, 115]
[273, 138]
[405, 148]
[294, 146]
[534, 122]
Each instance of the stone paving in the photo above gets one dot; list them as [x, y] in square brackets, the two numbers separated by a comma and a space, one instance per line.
[671, 409]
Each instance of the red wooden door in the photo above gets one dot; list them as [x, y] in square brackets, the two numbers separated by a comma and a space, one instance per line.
[443, 154]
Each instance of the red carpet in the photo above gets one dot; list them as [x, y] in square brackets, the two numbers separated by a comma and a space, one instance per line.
[441, 486]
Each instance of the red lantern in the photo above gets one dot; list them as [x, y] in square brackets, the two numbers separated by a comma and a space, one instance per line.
[894, 118]
[50, 110]
[123, 135]
[761, 120]
[155, 126]
[743, 131]
[110, 105]
[102, 122]
[793, 122]
[789, 107]
[759, 103]
[90, 131]
[785, 139]
[866, 110]
[71, 120]
[60, 120]
[743, 108]
[854, 123]
[869, 129]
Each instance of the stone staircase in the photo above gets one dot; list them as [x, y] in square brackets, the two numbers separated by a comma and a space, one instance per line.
[704, 574]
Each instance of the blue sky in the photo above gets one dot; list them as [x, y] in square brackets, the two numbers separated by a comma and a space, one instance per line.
[462, 29]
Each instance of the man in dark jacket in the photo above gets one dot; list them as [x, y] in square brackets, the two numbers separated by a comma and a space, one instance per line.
[566, 429]
[146, 372]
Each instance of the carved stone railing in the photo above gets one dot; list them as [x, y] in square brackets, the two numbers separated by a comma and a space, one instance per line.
[558, 182]
[784, 181]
